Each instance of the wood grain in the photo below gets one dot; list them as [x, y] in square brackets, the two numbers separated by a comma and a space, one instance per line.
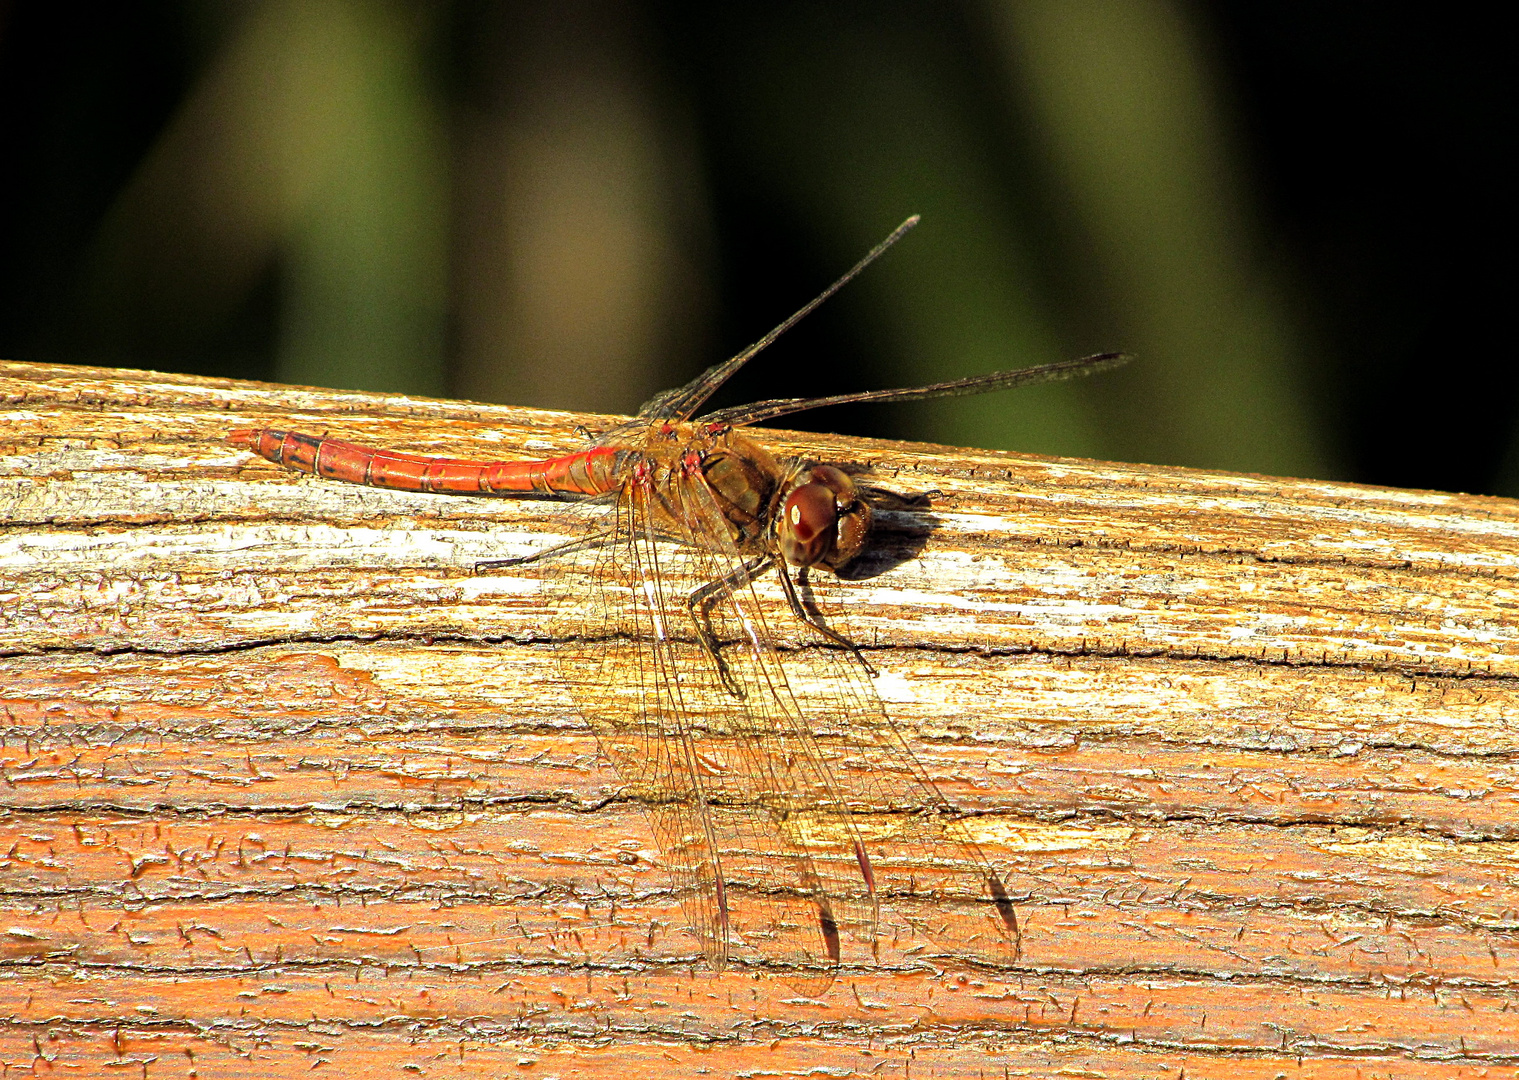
[285, 785]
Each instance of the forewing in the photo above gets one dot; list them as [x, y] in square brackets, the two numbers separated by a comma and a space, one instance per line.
[823, 763]
[778, 841]
[620, 672]
[702, 754]
[933, 880]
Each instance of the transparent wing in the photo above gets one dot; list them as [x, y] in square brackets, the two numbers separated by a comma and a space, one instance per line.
[697, 749]
[932, 878]
[622, 671]
[714, 726]
[846, 785]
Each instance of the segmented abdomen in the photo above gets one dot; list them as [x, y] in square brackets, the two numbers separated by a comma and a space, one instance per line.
[586, 472]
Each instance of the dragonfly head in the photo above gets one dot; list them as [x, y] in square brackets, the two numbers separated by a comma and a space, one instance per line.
[824, 520]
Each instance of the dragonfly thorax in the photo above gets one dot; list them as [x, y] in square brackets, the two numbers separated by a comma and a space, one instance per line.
[810, 515]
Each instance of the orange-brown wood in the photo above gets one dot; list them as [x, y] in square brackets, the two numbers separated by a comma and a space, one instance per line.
[285, 786]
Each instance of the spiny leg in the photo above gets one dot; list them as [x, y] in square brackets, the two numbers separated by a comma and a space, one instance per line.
[801, 611]
[568, 547]
[701, 602]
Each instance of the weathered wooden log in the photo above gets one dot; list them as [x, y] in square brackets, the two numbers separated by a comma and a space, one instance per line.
[284, 783]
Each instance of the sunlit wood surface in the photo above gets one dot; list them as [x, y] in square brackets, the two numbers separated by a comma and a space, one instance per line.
[285, 786]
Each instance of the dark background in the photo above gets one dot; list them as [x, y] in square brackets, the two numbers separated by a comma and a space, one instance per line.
[1293, 212]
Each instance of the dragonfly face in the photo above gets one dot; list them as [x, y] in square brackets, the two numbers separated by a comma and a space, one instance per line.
[823, 520]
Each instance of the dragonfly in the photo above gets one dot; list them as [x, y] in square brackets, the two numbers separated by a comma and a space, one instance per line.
[697, 641]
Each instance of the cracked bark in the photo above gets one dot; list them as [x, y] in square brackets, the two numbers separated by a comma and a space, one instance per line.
[284, 784]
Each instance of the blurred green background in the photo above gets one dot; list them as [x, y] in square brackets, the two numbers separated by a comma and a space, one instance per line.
[1291, 212]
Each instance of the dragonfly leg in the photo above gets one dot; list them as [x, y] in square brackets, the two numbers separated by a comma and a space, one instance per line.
[701, 602]
[566, 548]
[801, 611]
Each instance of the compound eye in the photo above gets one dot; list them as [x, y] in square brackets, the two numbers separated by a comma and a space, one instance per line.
[808, 522]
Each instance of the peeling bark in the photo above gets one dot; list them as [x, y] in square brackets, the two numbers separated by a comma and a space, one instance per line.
[284, 784]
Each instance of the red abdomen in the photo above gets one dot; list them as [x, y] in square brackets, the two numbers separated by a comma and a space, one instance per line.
[587, 472]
